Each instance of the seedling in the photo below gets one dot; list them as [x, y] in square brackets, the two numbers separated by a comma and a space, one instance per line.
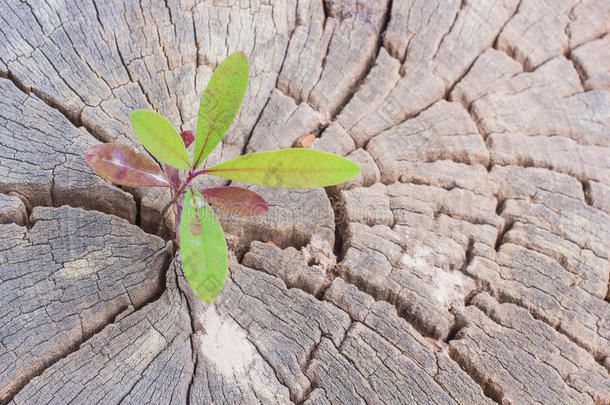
[198, 232]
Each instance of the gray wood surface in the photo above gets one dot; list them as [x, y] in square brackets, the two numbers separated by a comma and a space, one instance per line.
[468, 263]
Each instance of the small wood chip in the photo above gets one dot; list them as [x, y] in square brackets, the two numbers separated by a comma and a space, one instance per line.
[304, 141]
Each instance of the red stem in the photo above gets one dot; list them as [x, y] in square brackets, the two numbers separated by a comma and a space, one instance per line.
[187, 183]
[204, 171]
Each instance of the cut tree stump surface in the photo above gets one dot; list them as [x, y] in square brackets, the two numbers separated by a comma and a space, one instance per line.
[468, 263]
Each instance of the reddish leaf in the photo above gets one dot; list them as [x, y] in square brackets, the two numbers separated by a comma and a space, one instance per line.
[172, 175]
[187, 137]
[124, 165]
[236, 200]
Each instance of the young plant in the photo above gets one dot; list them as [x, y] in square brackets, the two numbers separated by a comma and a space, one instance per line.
[198, 232]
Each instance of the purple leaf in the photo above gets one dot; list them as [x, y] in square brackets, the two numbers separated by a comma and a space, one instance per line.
[124, 165]
[187, 137]
[172, 175]
[236, 200]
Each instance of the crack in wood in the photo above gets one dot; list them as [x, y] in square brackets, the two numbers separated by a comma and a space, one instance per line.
[59, 356]
[341, 220]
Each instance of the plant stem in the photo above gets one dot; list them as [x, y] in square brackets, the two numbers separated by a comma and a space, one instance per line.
[195, 174]
[178, 192]
[178, 218]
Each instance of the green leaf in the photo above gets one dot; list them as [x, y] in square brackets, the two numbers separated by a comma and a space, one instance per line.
[203, 247]
[288, 168]
[160, 138]
[124, 165]
[220, 103]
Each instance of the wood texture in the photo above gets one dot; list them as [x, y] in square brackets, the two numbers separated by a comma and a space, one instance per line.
[468, 263]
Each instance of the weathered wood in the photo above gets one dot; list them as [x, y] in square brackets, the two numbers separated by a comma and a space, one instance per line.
[417, 238]
[468, 262]
[63, 280]
[41, 154]
[141, 357]
[521, 360]
[12, 210]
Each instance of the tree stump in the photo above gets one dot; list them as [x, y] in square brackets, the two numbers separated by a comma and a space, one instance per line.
[468, 262]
